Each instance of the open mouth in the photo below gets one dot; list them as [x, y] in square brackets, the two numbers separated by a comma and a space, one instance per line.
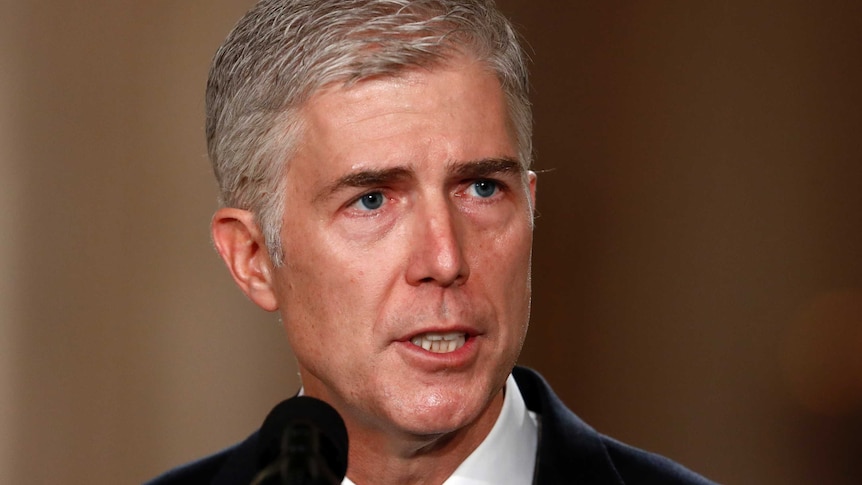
[440, 343]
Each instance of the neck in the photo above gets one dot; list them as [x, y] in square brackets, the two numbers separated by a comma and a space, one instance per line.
[384, 457]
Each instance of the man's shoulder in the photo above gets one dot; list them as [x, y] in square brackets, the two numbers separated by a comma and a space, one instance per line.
[637, 466]
[200, 472]
[231, 465]
[570, 451]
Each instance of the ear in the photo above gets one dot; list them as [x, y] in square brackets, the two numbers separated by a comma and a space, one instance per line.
[241, 244]
[531, 183]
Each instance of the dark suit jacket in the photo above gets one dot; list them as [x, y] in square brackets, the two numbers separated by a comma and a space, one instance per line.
[570, 452]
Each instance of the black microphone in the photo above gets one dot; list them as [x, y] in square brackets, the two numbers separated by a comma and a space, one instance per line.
[303, 441]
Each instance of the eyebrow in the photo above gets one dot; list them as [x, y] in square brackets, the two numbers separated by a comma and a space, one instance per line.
[387, 176]
[366, 178]
[486, 167]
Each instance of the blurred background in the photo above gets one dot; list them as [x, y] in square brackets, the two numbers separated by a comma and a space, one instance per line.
[697, 269]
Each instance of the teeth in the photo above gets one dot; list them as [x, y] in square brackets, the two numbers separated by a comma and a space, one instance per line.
[440, 343]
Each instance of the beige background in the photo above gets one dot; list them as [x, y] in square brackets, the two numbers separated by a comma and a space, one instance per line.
[698, 285]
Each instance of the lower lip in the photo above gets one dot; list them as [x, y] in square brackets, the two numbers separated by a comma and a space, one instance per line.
[433, 362]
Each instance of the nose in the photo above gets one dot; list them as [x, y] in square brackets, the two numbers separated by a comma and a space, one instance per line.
[437, 247]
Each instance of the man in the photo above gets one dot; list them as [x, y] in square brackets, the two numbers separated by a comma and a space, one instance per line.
[373, 162]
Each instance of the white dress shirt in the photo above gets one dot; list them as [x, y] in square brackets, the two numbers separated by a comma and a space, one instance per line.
[508, 454]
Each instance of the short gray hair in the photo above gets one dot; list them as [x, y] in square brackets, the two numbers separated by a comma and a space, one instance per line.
[283, 51]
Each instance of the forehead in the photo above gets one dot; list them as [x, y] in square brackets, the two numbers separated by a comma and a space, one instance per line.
[458, 108]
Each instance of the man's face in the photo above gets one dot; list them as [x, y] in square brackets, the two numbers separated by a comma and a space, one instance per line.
[407, 234]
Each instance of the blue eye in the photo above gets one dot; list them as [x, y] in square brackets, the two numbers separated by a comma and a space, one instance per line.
[371, 201]
[485, 188]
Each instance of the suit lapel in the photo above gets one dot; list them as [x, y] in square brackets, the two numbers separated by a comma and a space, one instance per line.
[570, 451]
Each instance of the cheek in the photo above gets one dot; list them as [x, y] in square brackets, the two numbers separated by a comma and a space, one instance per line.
[510, 273]
[331, 289]
[505, 257]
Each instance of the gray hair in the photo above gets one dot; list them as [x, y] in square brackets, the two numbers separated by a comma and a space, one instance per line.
[283, 51]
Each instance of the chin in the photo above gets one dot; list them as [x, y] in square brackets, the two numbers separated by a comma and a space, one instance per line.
[438, 413]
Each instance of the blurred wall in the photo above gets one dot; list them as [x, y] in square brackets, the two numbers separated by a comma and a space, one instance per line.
[130, 348]
[10, 217]
[697, 279]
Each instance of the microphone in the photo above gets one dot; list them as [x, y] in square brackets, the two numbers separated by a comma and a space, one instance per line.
[303, 441]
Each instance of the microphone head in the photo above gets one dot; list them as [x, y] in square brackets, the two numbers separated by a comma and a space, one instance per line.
[311, 412]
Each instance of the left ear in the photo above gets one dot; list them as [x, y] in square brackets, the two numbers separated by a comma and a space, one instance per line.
[240, 243]
[531, 183]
